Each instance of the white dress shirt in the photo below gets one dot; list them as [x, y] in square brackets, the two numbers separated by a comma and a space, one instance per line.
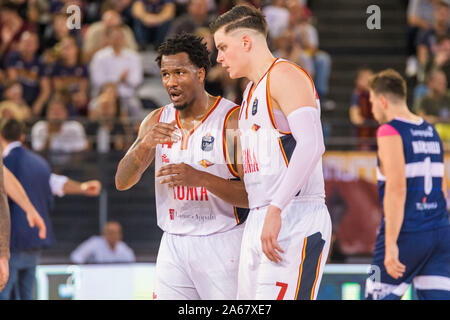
[106, 67]
[97, 250]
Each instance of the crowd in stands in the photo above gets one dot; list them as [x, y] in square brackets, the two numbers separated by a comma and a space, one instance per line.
[427, 70]
[77, 87]
[428, 61]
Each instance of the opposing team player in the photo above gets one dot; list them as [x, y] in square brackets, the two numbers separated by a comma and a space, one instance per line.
[287, 234]
[413, 244]
[198, 256]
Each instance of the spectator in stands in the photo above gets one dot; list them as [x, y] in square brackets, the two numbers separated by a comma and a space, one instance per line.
[95, 38]
[71, 75]
[420, 16]
[25, 66]
[435, 106]
[14, 94]
[34, 173]
[57, 133]
[277, 17]
[105, 129]
[307, 38]
[127, 72]
[54, 33]
[361, 111]
[196, 17]
[152, 20]
[122, 7]
[10, 110]
[428, 39]
[107, 248]
[12, 25]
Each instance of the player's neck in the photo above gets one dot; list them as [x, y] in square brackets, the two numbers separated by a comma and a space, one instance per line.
[198, 108]
[402, 112]
[260, 65]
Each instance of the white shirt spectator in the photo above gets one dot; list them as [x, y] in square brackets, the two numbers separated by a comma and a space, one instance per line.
[277, 20]
[106, 67]
[71, 138]
[97, 250]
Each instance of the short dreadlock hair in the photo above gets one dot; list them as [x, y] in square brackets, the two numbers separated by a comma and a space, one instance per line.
[242, 16]
[189, 43]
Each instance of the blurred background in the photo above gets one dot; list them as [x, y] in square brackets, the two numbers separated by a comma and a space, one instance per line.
[82, 104]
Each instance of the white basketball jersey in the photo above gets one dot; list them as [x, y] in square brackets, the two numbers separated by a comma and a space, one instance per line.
[194, 210]
[266, 151]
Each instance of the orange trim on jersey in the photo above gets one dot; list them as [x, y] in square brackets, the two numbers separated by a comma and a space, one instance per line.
[269, 100]
[284, 153]
[236, 215]
[317, 276]
[301, 268]
[224, 139]
[160, 114]
[185, 137]
[250, 92]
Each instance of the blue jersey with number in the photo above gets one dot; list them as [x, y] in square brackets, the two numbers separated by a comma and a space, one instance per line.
[425, 206]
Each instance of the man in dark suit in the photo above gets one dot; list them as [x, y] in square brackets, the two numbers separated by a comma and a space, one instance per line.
[35, 175]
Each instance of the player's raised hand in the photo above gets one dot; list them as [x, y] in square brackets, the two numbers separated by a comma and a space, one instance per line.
[161, 133]
[180, 174]
[269, 234]
[393, 265]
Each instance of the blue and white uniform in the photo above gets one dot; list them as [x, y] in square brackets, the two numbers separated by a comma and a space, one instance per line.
[424, 239]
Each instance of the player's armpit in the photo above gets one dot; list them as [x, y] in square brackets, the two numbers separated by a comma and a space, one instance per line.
[290, 87]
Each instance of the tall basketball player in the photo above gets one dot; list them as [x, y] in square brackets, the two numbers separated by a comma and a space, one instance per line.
[287, 234]
[199, 252]
[413, 244]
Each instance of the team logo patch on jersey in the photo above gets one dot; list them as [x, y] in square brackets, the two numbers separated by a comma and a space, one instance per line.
[207, 142]
[255, 127]
[165, 158]
[255, 107]
[206, 163]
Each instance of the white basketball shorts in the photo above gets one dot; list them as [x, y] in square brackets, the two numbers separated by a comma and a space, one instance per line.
[305, 238]
[198, 267]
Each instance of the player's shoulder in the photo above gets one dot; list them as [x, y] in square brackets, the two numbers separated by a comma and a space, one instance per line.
[285, 74]
[152, 118]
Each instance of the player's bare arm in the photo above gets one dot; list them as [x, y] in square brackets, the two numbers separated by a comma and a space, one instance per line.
[142, 152]
[231, 191]
[390, 152]
[5, 230]
[16, 192]
[290, 90]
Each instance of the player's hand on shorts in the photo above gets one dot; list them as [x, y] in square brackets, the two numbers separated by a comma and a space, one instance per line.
[35, 220]
[4, 272]
[393, 265]
[269, 234]
[161, 133]
[91, 188]
[180, 174]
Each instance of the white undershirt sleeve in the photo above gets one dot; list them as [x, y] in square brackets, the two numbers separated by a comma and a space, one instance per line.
[57, 183]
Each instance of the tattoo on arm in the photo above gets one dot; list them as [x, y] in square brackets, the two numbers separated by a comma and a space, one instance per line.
[5, 222]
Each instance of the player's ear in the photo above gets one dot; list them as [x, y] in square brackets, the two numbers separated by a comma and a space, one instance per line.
[246, 41]
[201, 73]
